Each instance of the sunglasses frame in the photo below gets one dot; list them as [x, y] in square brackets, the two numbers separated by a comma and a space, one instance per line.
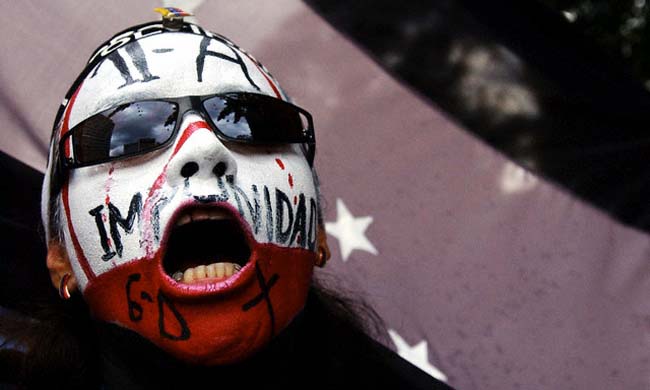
[195, 103]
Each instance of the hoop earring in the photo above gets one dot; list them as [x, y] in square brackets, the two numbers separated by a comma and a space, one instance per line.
[64, 293]
[322, 257]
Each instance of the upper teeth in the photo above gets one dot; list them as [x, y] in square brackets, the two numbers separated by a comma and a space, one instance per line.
[215, 270]
[199, 215]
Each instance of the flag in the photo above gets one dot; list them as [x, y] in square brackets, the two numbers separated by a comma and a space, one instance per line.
[486, 274]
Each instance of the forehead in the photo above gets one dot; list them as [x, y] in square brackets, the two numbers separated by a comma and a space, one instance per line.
[168, 65]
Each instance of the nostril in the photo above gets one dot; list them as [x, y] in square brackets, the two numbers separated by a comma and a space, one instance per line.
[219, 169]
[189, 169]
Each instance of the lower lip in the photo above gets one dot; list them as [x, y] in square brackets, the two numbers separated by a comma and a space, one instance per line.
[209, 287]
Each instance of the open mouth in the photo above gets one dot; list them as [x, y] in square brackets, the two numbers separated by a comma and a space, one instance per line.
[205, 244]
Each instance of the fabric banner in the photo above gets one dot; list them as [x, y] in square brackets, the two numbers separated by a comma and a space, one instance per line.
[486, 275]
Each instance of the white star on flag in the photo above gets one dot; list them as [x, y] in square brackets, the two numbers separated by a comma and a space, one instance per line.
[418, 355]
[350, 231]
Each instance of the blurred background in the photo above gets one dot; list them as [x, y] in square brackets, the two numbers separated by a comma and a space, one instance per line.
[483, 164]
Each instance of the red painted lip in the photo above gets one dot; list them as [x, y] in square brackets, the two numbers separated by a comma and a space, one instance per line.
[207, 287]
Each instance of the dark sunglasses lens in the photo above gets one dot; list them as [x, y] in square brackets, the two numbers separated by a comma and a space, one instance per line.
[257, 119]
[129, 129]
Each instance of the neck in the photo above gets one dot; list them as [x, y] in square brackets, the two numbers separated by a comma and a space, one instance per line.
[130, 361]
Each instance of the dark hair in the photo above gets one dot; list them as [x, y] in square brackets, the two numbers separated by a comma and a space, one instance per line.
[59, 345]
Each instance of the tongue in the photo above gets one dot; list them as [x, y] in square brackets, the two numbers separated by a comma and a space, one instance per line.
[214, 271]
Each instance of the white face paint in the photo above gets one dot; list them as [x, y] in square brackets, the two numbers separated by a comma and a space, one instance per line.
[115, 213]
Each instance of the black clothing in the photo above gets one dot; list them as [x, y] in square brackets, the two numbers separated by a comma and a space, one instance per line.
[323, 347]
[314, 352]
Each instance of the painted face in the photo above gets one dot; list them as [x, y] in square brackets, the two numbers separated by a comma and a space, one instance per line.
[204, 247]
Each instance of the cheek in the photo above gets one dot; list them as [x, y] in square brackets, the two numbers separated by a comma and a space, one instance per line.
[280, 181]
[102, 204]
[283, 168]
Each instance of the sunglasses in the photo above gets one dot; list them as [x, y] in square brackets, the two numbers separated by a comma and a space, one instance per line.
[141, 127]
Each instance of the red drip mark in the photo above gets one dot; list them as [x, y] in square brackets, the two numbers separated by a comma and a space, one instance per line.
[148, 206]
[295, 199]
[109, 181]
[290, 181]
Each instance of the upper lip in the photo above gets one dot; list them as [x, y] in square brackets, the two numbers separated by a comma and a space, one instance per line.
[193, 212]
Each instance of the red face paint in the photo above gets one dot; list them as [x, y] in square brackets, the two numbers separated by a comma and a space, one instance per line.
[207, 323]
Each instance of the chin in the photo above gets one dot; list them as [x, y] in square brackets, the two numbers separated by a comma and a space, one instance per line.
[206, 316]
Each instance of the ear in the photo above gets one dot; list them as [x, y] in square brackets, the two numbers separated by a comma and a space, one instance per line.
[59, 264]
[324, 253]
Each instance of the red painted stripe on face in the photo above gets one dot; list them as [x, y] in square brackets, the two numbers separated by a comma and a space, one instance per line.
[280, 163]
[191, 128]
[65, 199]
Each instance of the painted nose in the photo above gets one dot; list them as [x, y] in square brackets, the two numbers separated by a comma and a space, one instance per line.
[191, 167]
[199, 155]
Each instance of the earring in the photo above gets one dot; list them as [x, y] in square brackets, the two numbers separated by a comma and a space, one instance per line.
[64, 293]
[322, 257]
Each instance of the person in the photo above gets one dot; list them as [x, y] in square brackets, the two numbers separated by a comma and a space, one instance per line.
[182, 218]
